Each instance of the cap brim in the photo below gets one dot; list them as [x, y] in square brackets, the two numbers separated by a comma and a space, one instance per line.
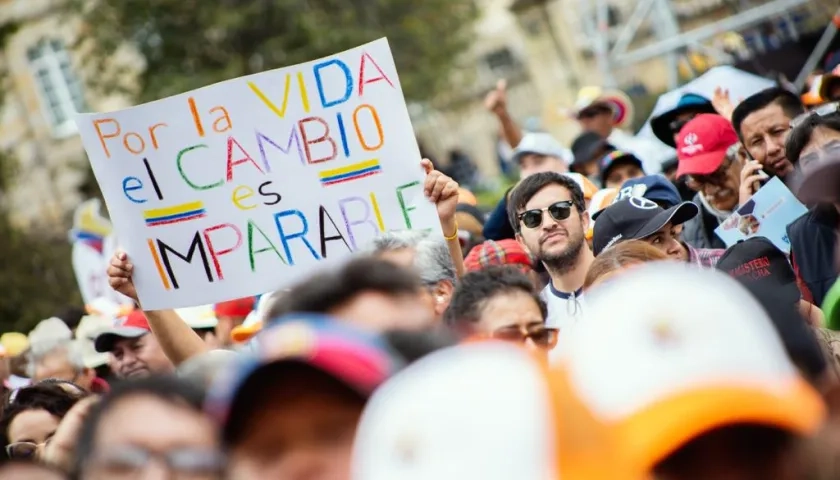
[243, 333]
[656, 432]
[105, 341]
[661, 127]
[676, 215]
[703, 164]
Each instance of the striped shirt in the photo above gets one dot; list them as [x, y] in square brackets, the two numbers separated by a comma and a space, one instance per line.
[704, 257]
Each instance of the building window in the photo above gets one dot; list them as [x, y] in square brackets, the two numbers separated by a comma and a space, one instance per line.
[500, 61]
[59, 87]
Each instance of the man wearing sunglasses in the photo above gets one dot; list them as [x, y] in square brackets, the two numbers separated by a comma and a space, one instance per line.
[548, 213]
[814, 145]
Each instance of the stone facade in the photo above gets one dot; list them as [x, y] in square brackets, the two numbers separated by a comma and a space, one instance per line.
[36, 125]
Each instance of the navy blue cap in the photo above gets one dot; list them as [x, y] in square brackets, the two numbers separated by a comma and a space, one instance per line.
[653, 187]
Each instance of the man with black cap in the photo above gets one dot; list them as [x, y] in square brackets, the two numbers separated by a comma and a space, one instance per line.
[764, 270]
[619, 166]
[588, 148]
[638, 218]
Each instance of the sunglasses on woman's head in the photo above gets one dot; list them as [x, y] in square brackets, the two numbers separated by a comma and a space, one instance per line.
[559, 211]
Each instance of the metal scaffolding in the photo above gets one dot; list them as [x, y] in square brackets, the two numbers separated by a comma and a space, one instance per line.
[670, 41]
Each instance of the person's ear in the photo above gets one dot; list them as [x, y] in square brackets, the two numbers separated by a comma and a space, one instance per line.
[585, 221]
[442, 294]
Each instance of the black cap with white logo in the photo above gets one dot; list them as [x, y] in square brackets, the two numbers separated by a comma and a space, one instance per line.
[636, 218]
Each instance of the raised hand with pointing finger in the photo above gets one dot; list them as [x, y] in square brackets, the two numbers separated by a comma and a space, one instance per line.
[496, 99]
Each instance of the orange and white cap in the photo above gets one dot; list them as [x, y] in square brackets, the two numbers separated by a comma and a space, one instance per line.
[587, 187]
[600, 200]
[671, 352]
[482, 410]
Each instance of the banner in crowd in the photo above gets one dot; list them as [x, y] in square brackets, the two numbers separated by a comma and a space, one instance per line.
[93, 245]
[244, 186]
[767, 214]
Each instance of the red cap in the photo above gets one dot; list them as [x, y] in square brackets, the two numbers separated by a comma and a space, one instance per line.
[132, 325]
[240, 307]
[497, 252]
[702, 144]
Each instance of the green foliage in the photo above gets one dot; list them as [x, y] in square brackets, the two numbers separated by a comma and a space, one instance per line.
[36, 277]
[190, 43]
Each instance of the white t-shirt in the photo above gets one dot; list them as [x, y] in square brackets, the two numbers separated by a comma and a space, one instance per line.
[565, 310]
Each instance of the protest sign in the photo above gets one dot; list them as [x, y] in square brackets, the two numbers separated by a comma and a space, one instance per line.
[767, 214]
[93, 244]
[244, 186]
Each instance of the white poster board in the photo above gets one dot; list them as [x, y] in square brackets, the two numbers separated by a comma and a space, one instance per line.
[245, 186]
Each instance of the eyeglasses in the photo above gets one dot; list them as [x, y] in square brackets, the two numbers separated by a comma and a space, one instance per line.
[130, 462]
[541, 336]
[24, 450]
[822, 111]
[717, 178]
[558, 211]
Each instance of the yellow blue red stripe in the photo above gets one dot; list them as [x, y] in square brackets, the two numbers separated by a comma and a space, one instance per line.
[174, 214]
[350, 172]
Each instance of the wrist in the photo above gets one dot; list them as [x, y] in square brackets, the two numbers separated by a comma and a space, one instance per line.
[450, 228]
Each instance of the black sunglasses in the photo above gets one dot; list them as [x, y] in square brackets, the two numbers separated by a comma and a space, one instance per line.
[678, 125]
[558, 211]
[542, 337]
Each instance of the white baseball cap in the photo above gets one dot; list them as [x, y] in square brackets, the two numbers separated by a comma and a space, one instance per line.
[198, 317]
[541, 144]
[488, 411]
[671, 352]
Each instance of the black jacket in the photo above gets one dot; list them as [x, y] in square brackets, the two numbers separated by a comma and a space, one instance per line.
[813, 241]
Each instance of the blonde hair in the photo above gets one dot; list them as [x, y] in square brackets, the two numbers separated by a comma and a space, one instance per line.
[619, 257]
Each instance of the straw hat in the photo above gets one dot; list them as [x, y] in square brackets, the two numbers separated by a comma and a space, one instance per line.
[616, 100]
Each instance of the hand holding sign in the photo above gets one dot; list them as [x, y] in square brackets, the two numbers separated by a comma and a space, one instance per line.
[441, 190]
[119, 275]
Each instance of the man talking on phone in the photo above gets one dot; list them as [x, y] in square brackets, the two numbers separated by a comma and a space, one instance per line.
[762, 122]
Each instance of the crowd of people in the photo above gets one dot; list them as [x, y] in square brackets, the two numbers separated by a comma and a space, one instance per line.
[590, 326]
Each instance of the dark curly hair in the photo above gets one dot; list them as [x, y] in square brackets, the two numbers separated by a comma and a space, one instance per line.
[477, 288]
[42, 396]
